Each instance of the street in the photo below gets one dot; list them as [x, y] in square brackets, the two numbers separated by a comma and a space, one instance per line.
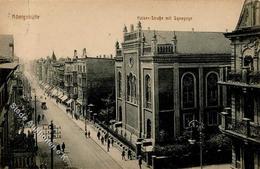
[84, 153]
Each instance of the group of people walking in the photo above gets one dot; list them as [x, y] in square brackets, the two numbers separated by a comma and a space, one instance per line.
[61, 148]
[129, 156]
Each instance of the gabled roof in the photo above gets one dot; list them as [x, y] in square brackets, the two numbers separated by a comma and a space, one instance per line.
[5, 42]
[250, 15]
[190, 42]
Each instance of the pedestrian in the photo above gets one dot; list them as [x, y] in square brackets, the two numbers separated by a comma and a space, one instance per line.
[63, 147]
[102, 140]
[108, 145]
[112, 141]
[140, 161]
[58, 147]
[123, 154]
[106, 136]
[39, 118]
[41, 166]
[129, 154]
[88, 134]
[98, 134]
[42, 116]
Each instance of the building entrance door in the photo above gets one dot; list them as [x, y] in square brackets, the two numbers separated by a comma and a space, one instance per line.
[249, 159]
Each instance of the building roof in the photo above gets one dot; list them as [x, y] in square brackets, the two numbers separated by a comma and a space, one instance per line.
[250, 15]
[5, 42]
[190, 42]
[11, 65]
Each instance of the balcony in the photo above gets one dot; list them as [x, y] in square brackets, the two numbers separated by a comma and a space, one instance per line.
[245, 78]
[165, 49]
[244, 129]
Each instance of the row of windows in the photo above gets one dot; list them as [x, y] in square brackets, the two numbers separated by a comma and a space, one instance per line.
[131, 89]
[212, 118]
[188, 86]
[188, 91]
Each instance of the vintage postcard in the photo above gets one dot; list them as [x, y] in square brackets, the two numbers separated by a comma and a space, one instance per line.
[129, 84]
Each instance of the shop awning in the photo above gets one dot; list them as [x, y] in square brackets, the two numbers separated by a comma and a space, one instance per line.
[50, 87]
[60, 96]
[46, 86]
[69, 101]
[54, 92]
[64, 97]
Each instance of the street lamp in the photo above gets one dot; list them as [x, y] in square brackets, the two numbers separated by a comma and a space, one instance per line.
[197, 124]
[35, 117]
[89, 110]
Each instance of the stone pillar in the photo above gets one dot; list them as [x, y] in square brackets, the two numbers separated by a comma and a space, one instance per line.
[224, 121]
[247, 122]
[176, 90]
[201, 95]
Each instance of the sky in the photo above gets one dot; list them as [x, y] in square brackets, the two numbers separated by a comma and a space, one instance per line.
[65, 25]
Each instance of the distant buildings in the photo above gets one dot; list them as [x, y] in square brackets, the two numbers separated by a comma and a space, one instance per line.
[78, 81]
[164, 79]
[242, 122]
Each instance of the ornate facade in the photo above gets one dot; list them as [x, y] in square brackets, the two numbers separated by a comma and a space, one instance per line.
[242, 121]
[164, 79]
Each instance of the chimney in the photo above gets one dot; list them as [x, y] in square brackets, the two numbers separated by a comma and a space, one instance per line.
[125, 29]
[84, 53]
[131, 28]
[75, 54]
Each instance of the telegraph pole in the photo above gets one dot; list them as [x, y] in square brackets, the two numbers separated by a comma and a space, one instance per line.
[35, 120]
[52, 135]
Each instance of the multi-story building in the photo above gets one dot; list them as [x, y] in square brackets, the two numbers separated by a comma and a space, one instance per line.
[7, 69]
[242, 122]
[13, 88]
[164, 79]
[95, 81]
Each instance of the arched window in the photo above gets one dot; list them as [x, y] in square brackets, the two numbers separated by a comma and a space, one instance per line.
[248, 62]
[134, 88]
[188, 90]
[148, 128]
[119, 83]
[148, 97]
[212, 89]
[128, 87]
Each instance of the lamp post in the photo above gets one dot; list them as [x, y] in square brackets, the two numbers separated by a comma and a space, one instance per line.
[197, 124]
[89, 111]
[35, 117]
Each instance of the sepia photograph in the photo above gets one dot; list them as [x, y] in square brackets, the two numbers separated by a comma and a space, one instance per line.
[129, 84]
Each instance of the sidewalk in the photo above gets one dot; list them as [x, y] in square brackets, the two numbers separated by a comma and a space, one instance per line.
[113, 151]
